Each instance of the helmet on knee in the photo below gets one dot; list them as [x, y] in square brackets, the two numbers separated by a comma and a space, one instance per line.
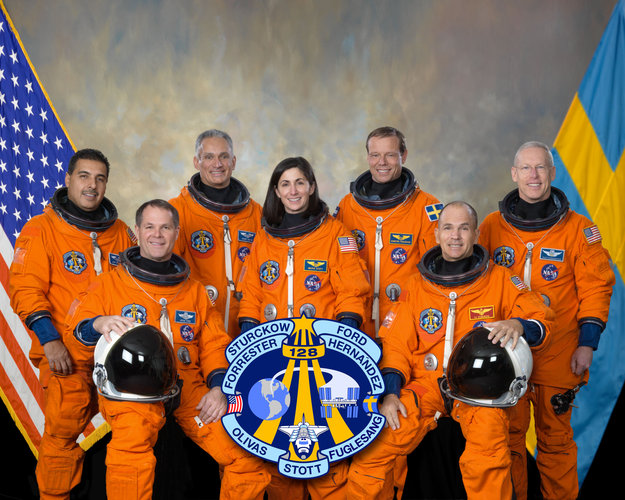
[485, 374]
[137, 366]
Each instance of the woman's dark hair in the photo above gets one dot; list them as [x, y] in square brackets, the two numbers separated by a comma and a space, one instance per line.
[273, 209]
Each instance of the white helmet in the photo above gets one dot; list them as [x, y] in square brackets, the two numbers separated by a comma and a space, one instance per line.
[137, 366]
[481, 373]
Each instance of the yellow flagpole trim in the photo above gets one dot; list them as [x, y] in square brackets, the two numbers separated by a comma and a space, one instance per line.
[95, 436]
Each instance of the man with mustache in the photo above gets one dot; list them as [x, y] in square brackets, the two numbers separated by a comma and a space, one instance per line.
[56, 256]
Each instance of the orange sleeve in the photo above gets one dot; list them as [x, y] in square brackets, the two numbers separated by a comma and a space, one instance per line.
[29, 281]
[348, 279]
[594, 279]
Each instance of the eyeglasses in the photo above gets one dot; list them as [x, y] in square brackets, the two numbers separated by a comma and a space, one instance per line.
[526, 169]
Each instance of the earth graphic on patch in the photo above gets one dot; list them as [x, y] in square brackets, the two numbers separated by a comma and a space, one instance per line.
[269, 399]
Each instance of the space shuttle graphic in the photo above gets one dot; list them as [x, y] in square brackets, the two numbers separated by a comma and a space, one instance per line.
[303, 436]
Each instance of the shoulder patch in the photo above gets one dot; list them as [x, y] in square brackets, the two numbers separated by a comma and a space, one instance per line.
[433, 211]
[347, 244]
[518, 282]
[592, 234]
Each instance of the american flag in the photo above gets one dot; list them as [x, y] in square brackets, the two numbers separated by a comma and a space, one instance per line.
[518, 282]
[235, 404]
[34, 152]
[348, 244]
[592, 234]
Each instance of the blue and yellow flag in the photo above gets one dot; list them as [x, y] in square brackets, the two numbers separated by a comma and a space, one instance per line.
[590, 169]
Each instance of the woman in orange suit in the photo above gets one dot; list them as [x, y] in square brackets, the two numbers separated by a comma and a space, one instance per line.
[303, 262]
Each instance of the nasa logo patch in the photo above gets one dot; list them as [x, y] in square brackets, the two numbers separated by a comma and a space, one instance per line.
[202, 241]
[74, 262]
[549, 272]
[269, 271]
[135, 312]
[503, 256]
[187, 333]
[303, 393]
[312, 283]
[242, 253]
[431, 320]
[399, 256]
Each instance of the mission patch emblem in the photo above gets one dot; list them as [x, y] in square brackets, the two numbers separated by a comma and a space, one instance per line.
[308, 389]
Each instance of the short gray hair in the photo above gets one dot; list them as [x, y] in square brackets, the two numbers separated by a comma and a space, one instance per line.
[535, 144]
[212, 133]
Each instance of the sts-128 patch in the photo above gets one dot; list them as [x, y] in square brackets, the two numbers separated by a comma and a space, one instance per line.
[307, 392]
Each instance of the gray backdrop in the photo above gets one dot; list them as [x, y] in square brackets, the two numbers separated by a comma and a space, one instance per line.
[467, 82]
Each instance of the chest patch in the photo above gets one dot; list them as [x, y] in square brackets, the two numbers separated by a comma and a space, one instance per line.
[312, 283]
[431, 320]
[503, 256]
[318, 266]
[360, 238]
[187, 317]
[269, 271]
[399, 256]
[480, 313]
[401, 239]
[246, 236]
[74, 261]
[187, 333]
[554, 254]
[136, 312]
[549, 272]
[113, 259]
[202, 241]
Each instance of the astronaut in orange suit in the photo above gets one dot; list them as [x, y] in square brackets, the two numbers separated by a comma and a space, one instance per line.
[393, 222]
[152, 286]
[456, 289]
[392, 219]
[56, 256]
[559, 254]
[302, 262]
[218, 223]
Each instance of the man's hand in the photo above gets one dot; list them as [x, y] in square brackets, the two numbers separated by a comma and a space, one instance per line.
[107, 324]
[58, 357]
[390, 407]
[505, 331]
[581, 359]
[212, 406]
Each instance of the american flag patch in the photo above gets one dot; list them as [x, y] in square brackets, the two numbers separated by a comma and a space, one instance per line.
[235, 404]
[518, 282]
[592, 234]
[348, 244]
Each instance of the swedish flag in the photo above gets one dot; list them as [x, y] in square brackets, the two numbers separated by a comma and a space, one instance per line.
[590, 169]
[433, 211]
